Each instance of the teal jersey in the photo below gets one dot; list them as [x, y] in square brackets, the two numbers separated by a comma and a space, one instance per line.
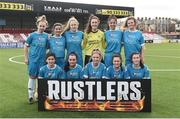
[73, 44]
[74, 73]
[37, 43]
[140, 73]
[133, 42]
[111, 73]
[113, 40]
[51, 73]
[57, 46]
[92, 72]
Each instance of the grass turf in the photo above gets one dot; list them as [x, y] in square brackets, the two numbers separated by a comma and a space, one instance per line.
[165, 87]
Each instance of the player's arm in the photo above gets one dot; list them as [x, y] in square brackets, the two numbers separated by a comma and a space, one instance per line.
[146, 74]
[26, 48]
[103, 42]
[142, 48]
[25, 54]
[84, 42]
[85, 72]
[142, 54]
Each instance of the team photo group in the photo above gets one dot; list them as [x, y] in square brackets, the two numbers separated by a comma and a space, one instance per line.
[69, 53]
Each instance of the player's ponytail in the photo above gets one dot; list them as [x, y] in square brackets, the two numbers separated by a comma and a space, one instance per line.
[41, 18]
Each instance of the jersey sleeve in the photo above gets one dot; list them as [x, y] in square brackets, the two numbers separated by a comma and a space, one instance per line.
[29, 40]
[41, 73]
[104, 73]
[126, 73]
[146, 75]
[81, 73]
[62, 74]
[85, 72]
[141, 39]
[108, 71]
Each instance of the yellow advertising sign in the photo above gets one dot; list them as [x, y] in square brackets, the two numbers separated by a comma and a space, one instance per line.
[15, 6]
[114, 12]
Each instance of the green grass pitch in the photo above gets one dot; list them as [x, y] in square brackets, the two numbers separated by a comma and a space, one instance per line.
[158, 57]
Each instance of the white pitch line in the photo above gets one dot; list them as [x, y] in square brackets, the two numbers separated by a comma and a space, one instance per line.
[11, 59]
[162, 56]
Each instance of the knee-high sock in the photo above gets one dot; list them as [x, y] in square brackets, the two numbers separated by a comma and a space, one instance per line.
[31, 87]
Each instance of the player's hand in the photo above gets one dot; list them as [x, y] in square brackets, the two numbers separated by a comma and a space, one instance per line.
[26, 61]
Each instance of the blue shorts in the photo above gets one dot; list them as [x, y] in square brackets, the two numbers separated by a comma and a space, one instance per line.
[80, 59]
[33, 68]
[60, 62]
[108, 59]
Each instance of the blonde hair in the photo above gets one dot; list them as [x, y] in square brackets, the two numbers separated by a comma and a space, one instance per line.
[88, 26]
[41, 19]
[96, 51]
[67, 27]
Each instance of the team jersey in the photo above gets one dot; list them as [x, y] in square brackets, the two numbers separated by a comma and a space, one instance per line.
[133, 42]
[51, 73]
[111, 73]
[140, 73]
[37, 43]
[73, 44]
[57, 46]
[113, 40]
[92, 72]
[74, 73]
[93, 40]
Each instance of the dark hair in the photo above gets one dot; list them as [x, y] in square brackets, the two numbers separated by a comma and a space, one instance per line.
[111, 17]
[137, 53]
[66, 68]
[119, 56]
[130, 18]
[88, 26]
[49, 54]
[56, 24]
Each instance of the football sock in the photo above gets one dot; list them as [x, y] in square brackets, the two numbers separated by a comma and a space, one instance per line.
[31, 87]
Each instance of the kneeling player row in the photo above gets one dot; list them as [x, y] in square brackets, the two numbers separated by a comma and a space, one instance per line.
[94, 69]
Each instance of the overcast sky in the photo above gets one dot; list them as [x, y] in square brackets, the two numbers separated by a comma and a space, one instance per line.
[143, 8]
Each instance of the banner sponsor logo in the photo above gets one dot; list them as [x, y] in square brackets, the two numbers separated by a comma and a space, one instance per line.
[94, 95]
